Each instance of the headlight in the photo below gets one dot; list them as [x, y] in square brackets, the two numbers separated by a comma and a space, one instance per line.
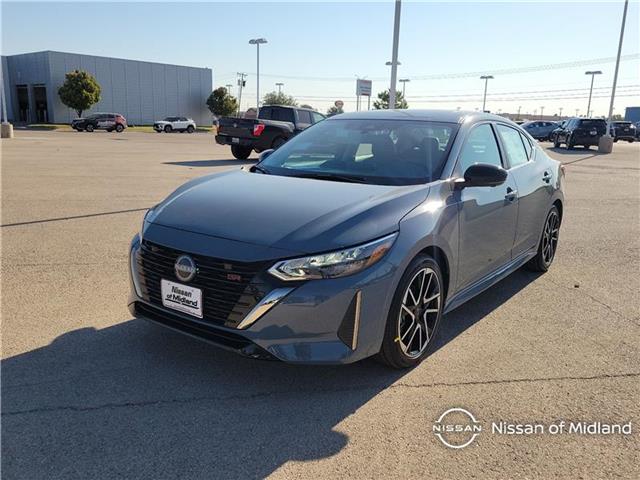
[333, 264]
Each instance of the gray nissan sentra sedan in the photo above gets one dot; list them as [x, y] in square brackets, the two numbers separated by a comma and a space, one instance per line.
[352, 239]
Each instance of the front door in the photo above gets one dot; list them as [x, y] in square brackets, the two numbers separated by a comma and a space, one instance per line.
[487, 215]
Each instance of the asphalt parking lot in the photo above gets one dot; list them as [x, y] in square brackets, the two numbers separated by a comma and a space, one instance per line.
[88, 392]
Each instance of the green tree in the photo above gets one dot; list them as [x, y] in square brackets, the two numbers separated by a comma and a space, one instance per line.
[221, 103]
[616, 117]
[79, 91]
[334, 111]
[279, 98]
[383, 101]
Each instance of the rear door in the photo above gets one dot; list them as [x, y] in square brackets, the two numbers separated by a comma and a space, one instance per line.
[304, 119]
[534, 188]
[488, 215]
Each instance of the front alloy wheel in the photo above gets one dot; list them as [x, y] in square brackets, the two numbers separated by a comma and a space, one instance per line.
[415, 315]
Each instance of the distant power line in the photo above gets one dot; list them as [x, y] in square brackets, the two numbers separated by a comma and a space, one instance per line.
[443, 76]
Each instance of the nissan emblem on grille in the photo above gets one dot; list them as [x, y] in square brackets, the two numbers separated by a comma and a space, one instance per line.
[185, 268]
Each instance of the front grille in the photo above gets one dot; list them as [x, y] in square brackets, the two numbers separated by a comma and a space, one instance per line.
[229, 289]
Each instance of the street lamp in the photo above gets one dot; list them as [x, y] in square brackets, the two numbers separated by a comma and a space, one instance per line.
[560, 115]
[404, 81]
[486, 79]
[394, 55]
[279, 85]
[257, 42]
[593, 74]
[541, 111]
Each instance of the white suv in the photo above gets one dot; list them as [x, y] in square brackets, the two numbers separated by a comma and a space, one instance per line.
[177, 124]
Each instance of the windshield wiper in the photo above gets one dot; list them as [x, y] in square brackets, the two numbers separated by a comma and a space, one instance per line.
[336, 177]
[257, 168]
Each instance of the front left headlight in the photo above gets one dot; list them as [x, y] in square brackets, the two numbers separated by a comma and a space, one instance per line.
[334, 264]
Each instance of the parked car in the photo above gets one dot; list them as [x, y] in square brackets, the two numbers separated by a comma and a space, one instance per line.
[274, 126]
[100, 121]
[352, 239]
[637, 125]
[580, 131]
[540, 130]
[175, 124]
[623, 131]
[554, 132]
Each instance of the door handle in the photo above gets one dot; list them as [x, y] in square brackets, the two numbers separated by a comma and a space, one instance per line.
[511, 194]
[546, 177]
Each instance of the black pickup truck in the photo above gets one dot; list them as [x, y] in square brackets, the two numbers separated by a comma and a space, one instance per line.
[274, 126]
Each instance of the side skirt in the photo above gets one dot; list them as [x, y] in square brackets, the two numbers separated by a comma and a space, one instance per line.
[488, 281]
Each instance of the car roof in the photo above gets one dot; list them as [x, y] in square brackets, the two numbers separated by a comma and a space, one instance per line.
[447, 116]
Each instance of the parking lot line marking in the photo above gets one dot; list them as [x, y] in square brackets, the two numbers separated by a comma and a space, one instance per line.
[17, 224]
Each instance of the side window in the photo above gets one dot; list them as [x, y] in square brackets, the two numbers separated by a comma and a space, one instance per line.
[480, 147]
[513, 145]
[304, 117]
[317, 117]
[265, 113]
[527, 145]
[282, 114]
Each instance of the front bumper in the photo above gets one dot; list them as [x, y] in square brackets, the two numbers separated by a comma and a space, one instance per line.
[317, 322]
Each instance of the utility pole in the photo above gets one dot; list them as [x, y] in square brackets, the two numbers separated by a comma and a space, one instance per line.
[241, 83]
[486, 79]
[279, 85]
[606, 141]
[519, 108]
[593, 74]
[541, 112]
[394, 55]
[577, 112]
[560, 115]
[257, 42]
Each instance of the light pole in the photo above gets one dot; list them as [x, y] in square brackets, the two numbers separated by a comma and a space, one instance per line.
[279, 85]
[394, 55]
[257, 42]
[486, 79]
[606, 141]
[541, 112]
[404, 81]
[519, 108]
[593, 74]
[560, 115]
[577, 112]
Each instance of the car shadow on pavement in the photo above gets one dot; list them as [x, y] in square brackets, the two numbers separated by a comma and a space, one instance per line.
[213, 163]
[134, 400]
[456, 322]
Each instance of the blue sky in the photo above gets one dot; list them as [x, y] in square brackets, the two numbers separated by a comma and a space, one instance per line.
[317, 49]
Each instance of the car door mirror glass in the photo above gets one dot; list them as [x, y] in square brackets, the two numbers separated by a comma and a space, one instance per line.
[483, 175]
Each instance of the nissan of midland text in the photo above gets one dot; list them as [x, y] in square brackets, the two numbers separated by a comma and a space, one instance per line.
[352, 239]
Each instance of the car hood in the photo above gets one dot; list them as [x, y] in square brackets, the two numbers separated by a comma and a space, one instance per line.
[294, 214]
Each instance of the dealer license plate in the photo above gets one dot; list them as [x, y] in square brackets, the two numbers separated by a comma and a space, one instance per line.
[235, 140]
[181, 297]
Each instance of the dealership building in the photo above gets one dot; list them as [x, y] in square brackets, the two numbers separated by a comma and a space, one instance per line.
[141, 91]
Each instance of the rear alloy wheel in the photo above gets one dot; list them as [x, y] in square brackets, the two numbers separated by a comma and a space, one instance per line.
[241, 153]
[89, 128]
[548, 243]
[119, 128]
[414, 316]
[190, 129]
[167, 129]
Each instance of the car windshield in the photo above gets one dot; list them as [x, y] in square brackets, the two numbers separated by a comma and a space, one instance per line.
[385, 152]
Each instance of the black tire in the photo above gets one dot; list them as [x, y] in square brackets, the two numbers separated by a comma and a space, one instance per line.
[394, 352]
[190, 129]
[241, 153]
[587, 147]
[556, 142]
[570, 144]
[615, 140]
[167, 129]
[278, 142]
[79, 129]
[89, 128]
[548, 242]
[631, 140]
[119, 128]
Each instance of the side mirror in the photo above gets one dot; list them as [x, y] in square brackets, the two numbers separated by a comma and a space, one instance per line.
[264, 154]
[482, 175]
